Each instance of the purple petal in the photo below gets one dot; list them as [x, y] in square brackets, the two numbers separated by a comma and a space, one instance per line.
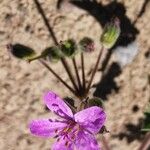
[86, 141]
[62, 145]
[57, 105]
[92, 118]
[45, 127]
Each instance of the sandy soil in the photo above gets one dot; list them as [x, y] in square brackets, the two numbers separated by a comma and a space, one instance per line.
[22, 85]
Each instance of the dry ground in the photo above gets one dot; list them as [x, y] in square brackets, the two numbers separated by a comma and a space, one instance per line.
[22, 85]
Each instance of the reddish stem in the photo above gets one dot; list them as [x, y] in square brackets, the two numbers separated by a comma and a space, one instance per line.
[83, 71]
[77, 73]
[95, 69]
[57, 76]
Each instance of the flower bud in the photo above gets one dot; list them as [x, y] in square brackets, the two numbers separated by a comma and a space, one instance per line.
[110, 34]
[53, 53]
[87, 44]
[95, 102]
[21, 51]
[68, 48]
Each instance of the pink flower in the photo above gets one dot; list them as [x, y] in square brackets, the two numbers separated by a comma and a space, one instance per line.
[73, 131]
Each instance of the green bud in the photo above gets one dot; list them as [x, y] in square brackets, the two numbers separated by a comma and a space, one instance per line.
[53, 53]
[87, 44]
[110, 34]
[68, 48]
[21, 51]
[95, 102]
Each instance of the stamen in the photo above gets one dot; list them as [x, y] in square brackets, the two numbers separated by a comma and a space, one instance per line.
[67, 144]
[65, 129]
[73, 136]
[58, 139]
[56, 131]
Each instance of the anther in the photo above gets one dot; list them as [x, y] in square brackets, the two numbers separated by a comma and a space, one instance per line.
[56, 131]
[67, 144]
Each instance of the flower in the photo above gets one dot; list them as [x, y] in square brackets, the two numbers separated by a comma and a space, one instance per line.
[73, 131]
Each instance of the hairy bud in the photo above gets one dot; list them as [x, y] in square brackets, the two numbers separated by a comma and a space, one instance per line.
[68, 48]
[87, 44]
[110, 34]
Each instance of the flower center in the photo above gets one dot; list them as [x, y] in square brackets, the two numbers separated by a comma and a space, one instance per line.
[69, 133]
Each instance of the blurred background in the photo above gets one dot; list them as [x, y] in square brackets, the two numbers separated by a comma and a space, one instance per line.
[124, 86]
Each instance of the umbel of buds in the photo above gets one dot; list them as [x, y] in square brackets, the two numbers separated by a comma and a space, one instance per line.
[87, 45]
[110, 34]
[68, 48]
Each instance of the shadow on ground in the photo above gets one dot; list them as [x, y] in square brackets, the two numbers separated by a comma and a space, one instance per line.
[132, 132]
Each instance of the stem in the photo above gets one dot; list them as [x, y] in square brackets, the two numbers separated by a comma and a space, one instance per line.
[77, 73]
[47, 24]
[146, 142]
[83, 71]
[52, 34]
[67, 68]
[57, 76]
[105, 144]
[95, 69]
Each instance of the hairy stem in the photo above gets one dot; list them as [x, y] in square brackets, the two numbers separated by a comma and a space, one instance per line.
[77, 73]
[47, 24]
[95, 69]
[52, 34]
[57, 76]
[83, 71]
[68, 70]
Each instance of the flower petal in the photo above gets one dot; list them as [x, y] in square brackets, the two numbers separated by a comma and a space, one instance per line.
[92, 118]
[57, 105]
[62, 145]
[86, 141]
[45, 127]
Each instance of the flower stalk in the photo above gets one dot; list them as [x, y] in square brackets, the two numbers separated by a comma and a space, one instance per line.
[77, 73]
[95, 69]
[68, 70]
[57, 76]
[83, 72]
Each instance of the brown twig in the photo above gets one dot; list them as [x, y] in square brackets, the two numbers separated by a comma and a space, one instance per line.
[95, 69]
[77, 73]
